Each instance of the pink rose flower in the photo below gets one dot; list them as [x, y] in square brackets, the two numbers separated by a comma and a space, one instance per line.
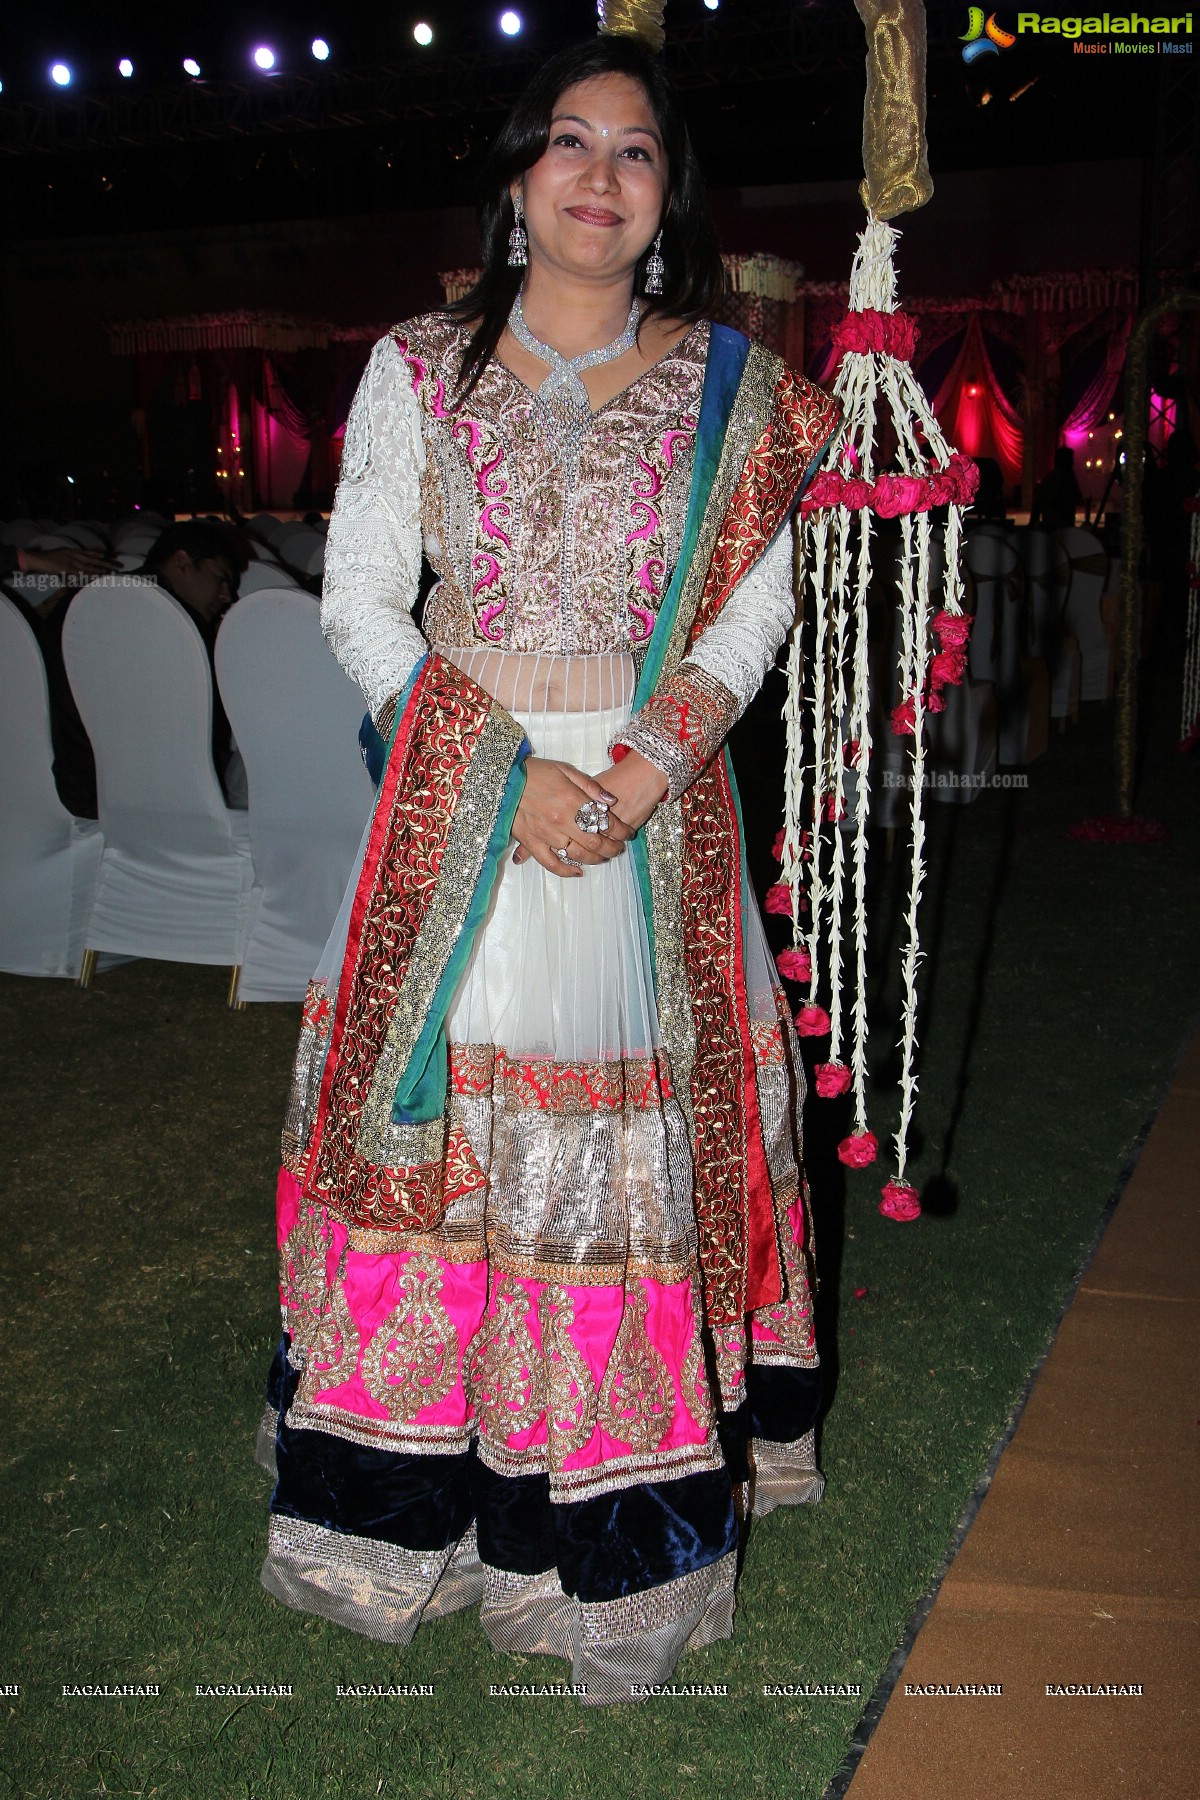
[856, 492]
[953, 630]
[891, 334]
[779, 900]
[824, 490]
[828, 804]
[832, 1079]
[794, 965]
[900, 1202]
[935, 701]
[904, 722]
[861, 1293]
[948, 668]
[896, 494]
[812, 1021]
[777, 846]
[859, 1149]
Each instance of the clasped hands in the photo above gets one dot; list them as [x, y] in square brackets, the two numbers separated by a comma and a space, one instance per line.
[546, 822]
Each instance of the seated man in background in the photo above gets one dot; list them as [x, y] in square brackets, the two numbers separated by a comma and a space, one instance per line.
[199, 561]
[74, 764]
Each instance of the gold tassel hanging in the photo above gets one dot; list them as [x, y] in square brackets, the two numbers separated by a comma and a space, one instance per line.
[894, 155]
[634, 18]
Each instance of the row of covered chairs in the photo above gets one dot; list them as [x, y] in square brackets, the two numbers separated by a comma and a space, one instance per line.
[169, 870]
[278, 546]
[1042, 640]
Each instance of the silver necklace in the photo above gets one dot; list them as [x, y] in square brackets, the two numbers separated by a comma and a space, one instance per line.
[564, 384]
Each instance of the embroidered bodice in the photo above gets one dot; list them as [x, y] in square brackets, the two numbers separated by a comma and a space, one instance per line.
[549, 532]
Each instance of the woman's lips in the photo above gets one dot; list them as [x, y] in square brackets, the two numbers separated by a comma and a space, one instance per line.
[593, 215]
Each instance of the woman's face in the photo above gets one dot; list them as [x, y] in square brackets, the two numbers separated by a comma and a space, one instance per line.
[595, 198]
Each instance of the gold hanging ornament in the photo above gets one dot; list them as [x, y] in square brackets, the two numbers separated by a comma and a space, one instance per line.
[633, 18]
[831, 705]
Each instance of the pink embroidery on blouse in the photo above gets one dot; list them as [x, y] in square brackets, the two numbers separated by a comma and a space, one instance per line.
[669, 439]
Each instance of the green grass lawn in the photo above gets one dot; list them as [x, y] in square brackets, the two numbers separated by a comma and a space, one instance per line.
[141, 1123]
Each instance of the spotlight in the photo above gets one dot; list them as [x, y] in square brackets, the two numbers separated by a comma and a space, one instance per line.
[125, 67]
[712, 5]
[1, 87]
[191, 67]
[423, 34]
[264, 58]
[320, 49]
[510, 23]
[60, 75]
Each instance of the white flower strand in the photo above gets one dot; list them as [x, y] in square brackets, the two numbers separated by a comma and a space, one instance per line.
[1191, 655]
[864, 383]
[793, 713]
[832, 796]
[860, 731]
[913, 954]
[819, 575]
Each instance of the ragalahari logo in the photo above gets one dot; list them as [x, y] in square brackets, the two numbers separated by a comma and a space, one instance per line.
[984, 37]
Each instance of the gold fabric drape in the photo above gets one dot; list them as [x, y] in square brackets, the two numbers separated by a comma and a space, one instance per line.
[895, 157]
[637, 18]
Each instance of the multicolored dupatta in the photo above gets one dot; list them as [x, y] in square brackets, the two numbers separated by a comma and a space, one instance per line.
[380, 1153]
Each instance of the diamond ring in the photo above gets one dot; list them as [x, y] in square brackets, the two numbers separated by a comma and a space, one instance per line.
[592, 816]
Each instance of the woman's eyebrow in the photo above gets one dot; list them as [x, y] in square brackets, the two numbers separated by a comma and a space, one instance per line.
[575, 119]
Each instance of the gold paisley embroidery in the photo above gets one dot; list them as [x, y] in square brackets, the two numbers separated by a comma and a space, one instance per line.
[334, 1351]
[694, 1377]
[637, 1399]
[570, 1391]
[502, 1366]
[412, 1360]
[302, 1269]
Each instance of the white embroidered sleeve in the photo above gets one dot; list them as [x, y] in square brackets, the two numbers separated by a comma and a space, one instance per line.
[373, 555]
[681, 729]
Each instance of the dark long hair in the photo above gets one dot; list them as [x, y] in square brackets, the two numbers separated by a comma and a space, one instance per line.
[694, 277]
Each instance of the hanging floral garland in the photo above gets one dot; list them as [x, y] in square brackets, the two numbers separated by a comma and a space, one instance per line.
[874, 381]
[1189, 726]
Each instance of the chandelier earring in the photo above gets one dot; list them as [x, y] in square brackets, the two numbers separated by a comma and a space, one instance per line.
[518, 241]
[656, 268]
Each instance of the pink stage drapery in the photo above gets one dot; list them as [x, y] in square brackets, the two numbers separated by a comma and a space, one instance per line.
[1093, 404]
[282, 441]
[982, 420]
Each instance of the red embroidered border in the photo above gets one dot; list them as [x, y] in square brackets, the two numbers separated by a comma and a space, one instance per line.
[430, 759]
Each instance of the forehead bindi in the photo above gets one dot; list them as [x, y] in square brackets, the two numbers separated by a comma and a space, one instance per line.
[611, 106]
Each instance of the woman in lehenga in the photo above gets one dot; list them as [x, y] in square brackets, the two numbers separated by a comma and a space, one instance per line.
[545, 1262]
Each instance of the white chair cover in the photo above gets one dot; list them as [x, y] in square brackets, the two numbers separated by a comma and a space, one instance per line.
[20, 533]
[176, 875]
[296, 718]
[997, 635]
[962, 740]
[1085, 616]
[49, 860]
[86, 536]
[258, 576]
[313, 560]
[1048, 577]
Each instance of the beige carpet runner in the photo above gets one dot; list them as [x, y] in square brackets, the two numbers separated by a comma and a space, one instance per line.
[1076, 1590]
